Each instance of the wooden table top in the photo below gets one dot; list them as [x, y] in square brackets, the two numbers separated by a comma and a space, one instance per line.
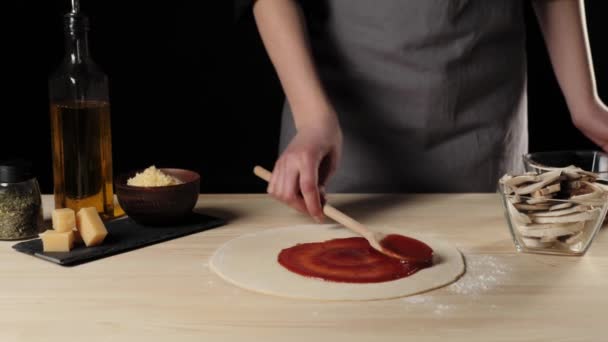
[166, 292]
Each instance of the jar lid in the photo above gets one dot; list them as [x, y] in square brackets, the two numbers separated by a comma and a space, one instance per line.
[15, 171]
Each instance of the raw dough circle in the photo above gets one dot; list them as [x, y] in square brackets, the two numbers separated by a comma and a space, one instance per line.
[250, 262]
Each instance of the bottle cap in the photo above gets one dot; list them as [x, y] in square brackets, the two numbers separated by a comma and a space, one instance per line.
[76, 22]
[15, 171]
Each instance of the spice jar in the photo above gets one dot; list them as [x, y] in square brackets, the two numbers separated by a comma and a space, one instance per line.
[20, 201]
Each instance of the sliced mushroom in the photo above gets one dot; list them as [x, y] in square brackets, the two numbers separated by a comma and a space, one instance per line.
[536, 243]
[515, 199]
[548, 239]
[505, 178]
[571, 210]
[551, 175]
[573, 185]
[561, 206]
[571, 175]
[539, 200]
[583, 189]
[550, 189]
[506, 188]
[519, 180]
[590, 197]
[546, 179]
[588, 173]
[532, 207]
[571, 172]
[588, 179]
[602, 186]
[577, 217]
[540, 226]
[550, 230]
[576, 237]
[510, 183]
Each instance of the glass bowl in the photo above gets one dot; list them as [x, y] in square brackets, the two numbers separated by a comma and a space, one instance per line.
[556, 226]
[588, 160]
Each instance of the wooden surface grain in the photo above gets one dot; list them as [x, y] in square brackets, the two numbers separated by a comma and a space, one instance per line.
[166, 292]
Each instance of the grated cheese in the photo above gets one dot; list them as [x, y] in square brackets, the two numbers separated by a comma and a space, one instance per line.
[152, 177]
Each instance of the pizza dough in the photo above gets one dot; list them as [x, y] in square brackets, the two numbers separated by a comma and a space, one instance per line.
[250, 262]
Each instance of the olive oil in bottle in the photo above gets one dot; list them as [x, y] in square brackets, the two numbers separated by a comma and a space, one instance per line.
[80, 125]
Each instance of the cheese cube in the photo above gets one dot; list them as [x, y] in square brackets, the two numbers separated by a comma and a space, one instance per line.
[64, 220]
[90, 226]
[53, 241]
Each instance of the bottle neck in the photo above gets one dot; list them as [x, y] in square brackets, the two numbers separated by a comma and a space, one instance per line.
[76, 38]
[77, 47]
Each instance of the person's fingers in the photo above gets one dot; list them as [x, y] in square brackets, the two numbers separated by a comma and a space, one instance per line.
[272, 184]
[280, 173]
[309, 186]
[333, 165]
[322, 195]
[328, 167]
[278, 191]
[290, 189]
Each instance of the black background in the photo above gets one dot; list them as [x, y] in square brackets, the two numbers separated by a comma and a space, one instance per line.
[192, 87]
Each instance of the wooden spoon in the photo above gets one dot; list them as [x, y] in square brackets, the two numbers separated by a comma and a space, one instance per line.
[347, 221]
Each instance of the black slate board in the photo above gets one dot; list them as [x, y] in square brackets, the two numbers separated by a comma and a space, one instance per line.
[123, 235]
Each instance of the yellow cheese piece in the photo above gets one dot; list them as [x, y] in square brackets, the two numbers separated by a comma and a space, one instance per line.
[90, 226]
[54, 241]
[64, 220]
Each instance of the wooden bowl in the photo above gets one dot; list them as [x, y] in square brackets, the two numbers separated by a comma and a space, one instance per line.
[162, 205]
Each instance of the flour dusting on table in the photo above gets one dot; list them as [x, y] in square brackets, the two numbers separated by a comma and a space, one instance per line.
[484, 273]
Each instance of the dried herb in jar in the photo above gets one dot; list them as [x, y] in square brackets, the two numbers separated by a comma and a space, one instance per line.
[20, 202]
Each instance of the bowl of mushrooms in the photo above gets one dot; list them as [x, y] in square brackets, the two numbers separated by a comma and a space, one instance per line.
[556, 211]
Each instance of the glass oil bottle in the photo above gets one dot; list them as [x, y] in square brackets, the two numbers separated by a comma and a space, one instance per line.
[80, 125]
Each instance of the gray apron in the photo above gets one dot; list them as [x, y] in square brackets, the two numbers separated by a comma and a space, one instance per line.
[430, 94]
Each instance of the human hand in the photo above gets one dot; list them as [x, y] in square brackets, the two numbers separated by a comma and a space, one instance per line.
[592, 121]
[302, 170]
